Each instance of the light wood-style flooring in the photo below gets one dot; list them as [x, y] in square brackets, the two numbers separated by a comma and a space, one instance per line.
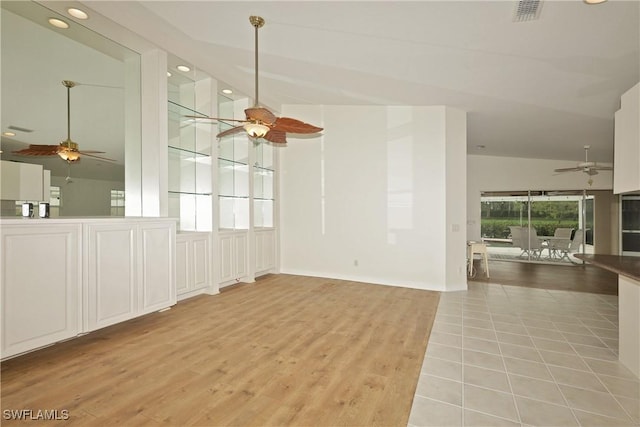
[287, 350]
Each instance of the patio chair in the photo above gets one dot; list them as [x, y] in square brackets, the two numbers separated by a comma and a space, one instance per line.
[516, 237]
[563, 233]
[573, 247]
[532, 243]
[560, 242]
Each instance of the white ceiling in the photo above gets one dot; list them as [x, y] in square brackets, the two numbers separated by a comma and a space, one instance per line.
[536, 89]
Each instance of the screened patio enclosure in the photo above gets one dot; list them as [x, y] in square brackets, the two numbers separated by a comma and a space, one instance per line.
[537, 226]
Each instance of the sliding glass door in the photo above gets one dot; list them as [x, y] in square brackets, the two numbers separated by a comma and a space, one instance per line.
[540, 226]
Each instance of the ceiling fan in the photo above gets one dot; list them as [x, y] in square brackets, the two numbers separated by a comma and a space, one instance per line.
[590, 168]
[67, 149]
[260, 122]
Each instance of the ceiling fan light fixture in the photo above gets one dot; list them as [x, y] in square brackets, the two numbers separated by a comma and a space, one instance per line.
[69, 156]
[256, 130]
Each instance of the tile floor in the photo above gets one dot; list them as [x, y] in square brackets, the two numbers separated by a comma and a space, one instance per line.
[514, 356]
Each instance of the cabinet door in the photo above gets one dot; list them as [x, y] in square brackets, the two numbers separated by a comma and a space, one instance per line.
[40, 281]
[260, 265]
[200, 264]
[265, 251]
[183, 258]
[226, 258]
[157, 288]
[240, 252]
[111, 274]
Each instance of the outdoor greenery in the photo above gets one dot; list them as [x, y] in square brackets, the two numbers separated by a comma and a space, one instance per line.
[499, 227]
[496, 217]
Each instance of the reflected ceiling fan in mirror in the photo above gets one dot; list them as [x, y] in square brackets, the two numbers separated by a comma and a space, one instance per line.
[260, 122]
[67, 149]
[590, 168]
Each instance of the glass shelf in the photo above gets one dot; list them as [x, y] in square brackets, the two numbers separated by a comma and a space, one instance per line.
[176, 110]
[186, 192]
[190, 153]
[190, 146]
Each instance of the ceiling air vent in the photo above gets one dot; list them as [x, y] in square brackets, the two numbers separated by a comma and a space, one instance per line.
[527, 10]
[19, 129]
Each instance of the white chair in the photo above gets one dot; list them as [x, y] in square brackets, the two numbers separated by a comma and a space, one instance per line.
[532, 244]
[574, 246]
[564, 233]
[560, 242]
[481, 249]
[516, 237]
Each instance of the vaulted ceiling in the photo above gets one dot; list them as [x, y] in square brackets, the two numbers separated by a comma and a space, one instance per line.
[541, 88]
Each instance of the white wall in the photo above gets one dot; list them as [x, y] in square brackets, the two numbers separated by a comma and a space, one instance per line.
[491, 173]
[85, 197]
[376, 189]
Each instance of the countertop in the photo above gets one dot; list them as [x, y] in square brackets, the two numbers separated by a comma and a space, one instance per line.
[17, 220]
[628, 266]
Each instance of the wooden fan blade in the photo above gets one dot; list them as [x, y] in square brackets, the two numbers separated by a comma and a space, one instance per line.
[230, 131]
[260, 114]
[218, 119]
[287, 124]
[39, 150]
[84, 153]
[276, 136]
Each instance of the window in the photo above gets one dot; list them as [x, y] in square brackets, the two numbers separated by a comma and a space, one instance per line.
[117, 202]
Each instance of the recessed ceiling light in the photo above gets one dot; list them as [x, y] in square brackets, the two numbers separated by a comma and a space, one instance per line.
[8, 134]
[59, 23]
[168, 74]
[227, 91]
[77, 13]
[183, 68]
[594, 1]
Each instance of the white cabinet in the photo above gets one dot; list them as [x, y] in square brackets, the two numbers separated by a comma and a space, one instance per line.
[192, 264]
[156, 260]
[111, 274]
[62, 277]
[265, 251]
[129, 271]
[41, 286]
[233, 257]
[626, 172]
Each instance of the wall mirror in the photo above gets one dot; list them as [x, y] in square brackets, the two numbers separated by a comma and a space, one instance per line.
[104, 112]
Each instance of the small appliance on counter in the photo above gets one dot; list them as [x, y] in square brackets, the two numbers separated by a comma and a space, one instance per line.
[43, 210]
[27, 210]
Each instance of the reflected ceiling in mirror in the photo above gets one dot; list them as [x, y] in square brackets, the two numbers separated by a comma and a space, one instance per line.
[36, 58]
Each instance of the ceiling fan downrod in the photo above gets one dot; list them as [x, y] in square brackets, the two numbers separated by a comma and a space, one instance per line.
[68, 143]
[257, 22]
